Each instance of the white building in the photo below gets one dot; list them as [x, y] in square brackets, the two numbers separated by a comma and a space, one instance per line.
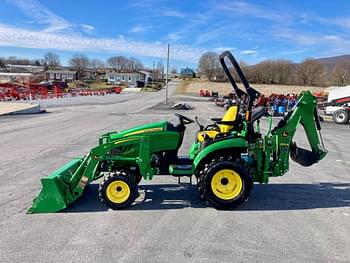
[129, 79]
[61, 75]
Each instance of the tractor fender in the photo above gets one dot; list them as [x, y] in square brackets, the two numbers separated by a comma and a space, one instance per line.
[222, 147]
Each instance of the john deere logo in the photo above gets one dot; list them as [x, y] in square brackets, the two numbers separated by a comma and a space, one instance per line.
[284, 134]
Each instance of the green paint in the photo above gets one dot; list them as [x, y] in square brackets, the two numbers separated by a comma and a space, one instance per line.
[224, 145]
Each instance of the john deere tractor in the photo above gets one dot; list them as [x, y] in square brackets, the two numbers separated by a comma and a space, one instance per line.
[227, 157]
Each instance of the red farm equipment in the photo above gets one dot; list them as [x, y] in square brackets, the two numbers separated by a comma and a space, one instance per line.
[204, 93]
[117, 90]
[279, 104]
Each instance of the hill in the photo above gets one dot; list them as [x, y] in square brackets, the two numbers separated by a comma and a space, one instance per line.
[331, 62]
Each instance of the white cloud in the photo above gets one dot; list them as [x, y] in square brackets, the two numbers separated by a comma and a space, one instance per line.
[291, 52]
[195, 23]
[341, 22]
[222, 49]
[173, 13]
[328, 43]
[248, 52]
[140, 29]
[42, 15]
[175, 36]
[17, 37]
[309, 39]
[87, 28]
[245, 9]
[212, 34]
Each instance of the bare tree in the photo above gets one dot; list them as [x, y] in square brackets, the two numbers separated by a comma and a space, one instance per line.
[12, 59]
[113, 62]
[79, 62]
[135, 64]
[173, 71]
[269, 71]
[258, 73]
[160, 70]
[309, 71]
[284, 70]
[208, 64]
[119, 63]
[248, 71]
[341, 74]
[51, 60]
[36, 62]
[96, 63]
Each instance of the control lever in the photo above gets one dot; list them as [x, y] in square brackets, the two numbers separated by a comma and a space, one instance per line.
[201, 127]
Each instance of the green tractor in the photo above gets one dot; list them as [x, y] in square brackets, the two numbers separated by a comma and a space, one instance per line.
[227, 157]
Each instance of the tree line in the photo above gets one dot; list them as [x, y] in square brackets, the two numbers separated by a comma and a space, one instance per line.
[78, 62]
[309, 72]
[18, 61]
[81, 63]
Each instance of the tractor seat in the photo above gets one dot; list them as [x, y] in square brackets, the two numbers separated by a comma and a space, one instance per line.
[231, 115]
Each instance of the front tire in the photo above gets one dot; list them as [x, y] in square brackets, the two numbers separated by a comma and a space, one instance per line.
[118, 191]
[226, 184]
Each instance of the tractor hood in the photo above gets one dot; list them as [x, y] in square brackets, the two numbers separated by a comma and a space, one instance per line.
[139, 130]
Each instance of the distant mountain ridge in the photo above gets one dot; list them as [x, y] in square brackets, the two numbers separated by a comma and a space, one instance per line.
[333, 61]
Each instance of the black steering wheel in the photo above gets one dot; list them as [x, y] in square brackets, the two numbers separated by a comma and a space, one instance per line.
[183, 119]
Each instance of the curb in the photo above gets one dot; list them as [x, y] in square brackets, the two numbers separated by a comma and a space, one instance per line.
[19, 108]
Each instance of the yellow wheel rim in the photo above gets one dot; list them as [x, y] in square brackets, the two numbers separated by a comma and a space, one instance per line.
[226, 184]
[118, 191]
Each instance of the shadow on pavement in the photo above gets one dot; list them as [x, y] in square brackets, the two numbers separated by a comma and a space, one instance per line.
[263, 197]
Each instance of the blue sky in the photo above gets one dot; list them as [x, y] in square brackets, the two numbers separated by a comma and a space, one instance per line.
[252, 30]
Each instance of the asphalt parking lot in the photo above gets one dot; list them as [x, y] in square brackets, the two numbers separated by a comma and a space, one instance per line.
[303, 216]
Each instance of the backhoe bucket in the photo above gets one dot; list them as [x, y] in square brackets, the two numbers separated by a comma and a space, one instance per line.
[56, 191]
[305, 157]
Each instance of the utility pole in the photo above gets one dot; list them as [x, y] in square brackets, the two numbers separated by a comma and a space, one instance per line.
[153, 73]
[167, 72]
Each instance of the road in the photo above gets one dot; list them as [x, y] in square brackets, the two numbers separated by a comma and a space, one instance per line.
[303, 216]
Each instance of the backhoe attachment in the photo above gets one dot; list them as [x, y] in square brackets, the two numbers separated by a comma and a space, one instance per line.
[304, 113]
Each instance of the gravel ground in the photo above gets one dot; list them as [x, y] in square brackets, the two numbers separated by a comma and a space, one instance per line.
[303, 216]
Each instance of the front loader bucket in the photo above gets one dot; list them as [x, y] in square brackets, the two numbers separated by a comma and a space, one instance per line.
[56, 191]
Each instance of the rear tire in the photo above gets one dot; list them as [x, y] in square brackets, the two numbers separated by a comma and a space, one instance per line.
[118, 191]
[226, 184]
[341, 116]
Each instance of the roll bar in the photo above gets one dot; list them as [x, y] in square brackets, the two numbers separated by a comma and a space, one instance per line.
[250, 92]
[240, 93]
[247, 97]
